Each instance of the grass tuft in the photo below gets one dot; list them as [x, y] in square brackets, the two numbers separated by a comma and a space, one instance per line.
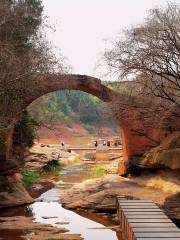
[53, 166]
[99, 171]
[29, 177]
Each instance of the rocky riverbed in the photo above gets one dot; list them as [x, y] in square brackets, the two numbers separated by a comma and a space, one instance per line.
[46, 218]
[100, 195]
[92, 199]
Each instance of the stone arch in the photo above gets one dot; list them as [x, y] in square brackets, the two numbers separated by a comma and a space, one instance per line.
[133, 144]
[54, 82]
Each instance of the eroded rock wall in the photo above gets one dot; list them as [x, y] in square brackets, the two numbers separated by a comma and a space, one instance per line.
[166, 155]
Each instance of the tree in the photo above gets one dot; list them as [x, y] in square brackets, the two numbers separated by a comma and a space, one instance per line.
[24, 51]
[150, 53]
[25, 132]
[24, 55]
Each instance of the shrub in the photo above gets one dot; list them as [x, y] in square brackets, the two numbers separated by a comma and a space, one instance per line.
[53, 166]
[29, 177]
[99, 171]
[25, 131]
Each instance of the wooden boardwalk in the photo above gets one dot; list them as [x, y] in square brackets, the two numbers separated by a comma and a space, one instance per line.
[144, 220]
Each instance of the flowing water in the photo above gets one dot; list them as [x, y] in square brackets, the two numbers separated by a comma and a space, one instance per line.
[47, 210]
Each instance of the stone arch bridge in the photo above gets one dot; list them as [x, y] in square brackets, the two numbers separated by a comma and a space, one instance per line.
[133, 144]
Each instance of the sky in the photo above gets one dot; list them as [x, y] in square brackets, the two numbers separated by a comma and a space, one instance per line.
[85, 28]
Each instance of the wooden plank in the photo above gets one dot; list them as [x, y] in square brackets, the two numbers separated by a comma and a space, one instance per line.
[151, 225]
[161, 229]
[136, 200]
[157, 235]
[137, 204]
[149, 238]
[154, 216]
[139, 207]
[146, 220]
[122, 201]
[142, 210]
[129, 200]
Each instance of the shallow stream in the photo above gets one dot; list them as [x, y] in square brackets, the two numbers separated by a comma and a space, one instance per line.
[47, 210]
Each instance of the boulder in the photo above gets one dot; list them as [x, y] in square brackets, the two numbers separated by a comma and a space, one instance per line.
[99, 195]
[42, 186]
[166, 155]
[12, 192]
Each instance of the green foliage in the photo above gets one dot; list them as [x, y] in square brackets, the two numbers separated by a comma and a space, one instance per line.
[28, 16]
[89, 128]
[29, 177]
[53, 166]
[24, 52]
[71, 106]
[25, 131]
[99, 171]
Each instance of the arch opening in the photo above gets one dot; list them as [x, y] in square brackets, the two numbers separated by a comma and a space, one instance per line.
[74, 118]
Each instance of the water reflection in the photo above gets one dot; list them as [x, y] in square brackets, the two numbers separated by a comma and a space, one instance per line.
[47, 210]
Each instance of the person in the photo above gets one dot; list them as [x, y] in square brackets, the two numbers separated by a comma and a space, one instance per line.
[104, 143]
[96, 143]
[108, 143]
[62, 144]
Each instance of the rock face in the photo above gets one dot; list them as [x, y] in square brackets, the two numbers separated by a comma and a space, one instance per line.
[100, 194]
[38, 188]
[166, 155]
[12, 192]
[40, 155]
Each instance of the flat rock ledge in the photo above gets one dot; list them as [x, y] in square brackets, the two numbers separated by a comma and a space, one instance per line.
[100, 194]
[34, 231]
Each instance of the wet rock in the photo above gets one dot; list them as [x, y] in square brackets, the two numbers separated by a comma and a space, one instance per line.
[27, 224]
[38, 188]
[35, 231]
[62, 223]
